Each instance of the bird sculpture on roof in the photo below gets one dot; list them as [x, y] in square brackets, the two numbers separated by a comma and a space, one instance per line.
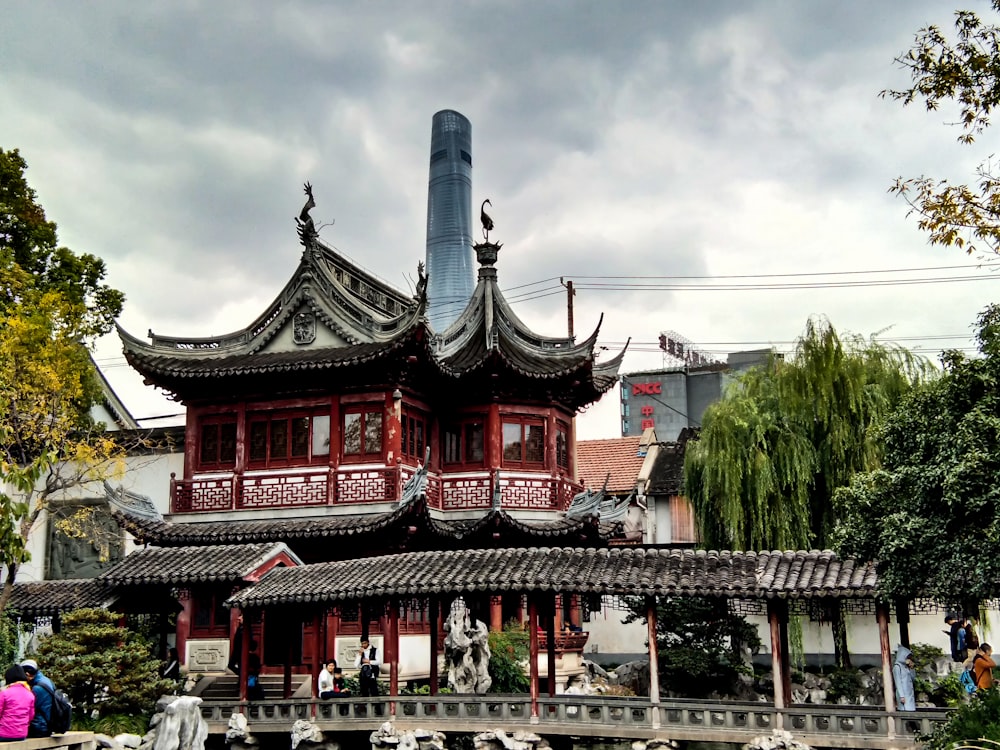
[486, 220]
[306, 227]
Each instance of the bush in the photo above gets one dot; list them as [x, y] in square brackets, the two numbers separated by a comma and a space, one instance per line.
[977, 719]
[844, 683]
[508, 650]
[102, 666]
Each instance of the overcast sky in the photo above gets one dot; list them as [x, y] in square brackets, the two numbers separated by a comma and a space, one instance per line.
[629, 139]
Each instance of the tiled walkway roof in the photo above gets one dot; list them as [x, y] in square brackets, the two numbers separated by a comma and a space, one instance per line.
[617, 571]
[619, 457]
[48, 598]
[186, 565]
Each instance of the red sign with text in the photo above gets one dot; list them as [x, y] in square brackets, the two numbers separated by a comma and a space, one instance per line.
[645, 389]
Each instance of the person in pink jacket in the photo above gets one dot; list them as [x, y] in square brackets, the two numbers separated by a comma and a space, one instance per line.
[17, 705]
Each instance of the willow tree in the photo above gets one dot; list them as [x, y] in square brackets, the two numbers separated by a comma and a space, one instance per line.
[762, 473]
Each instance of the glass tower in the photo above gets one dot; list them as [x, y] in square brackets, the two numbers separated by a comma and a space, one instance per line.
[450, 267]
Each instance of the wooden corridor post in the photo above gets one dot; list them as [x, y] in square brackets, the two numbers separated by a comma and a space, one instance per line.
[393, 654]
[533, 654]
[432, 618]
[888, 693]
[550, 644]
[777, 618]
[654, 661]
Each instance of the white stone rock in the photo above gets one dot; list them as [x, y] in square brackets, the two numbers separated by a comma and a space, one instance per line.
[183, 727]
[128, 740]
[305, 731]
[104, 740]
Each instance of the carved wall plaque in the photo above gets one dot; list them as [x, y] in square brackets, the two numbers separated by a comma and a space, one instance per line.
[304, 328]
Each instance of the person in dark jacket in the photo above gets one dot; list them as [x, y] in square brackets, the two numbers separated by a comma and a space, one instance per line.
[43, 698]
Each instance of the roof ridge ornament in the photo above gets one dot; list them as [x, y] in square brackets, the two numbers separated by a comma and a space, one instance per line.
[487, 222]
[306, 227]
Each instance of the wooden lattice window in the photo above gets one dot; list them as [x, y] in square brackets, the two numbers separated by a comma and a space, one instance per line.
[523, 442]
[217, 443]
[288, 438]
[463, 442]
[562, 446]
[414, 435]
[363, 434]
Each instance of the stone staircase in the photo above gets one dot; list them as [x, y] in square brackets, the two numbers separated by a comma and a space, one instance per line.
[227, 687]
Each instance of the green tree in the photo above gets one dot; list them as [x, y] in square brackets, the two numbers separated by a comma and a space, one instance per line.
[52, 305]
[699, 642]
[103, 666]
[931, 515]
[29, 241]
[771, 452]
[965, 71]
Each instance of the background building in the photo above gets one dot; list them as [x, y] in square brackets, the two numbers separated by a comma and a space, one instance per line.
[673, 398]
[450, 269]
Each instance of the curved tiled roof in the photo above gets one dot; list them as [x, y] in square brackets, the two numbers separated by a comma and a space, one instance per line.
[173, 534]
[49, 598]
[186, 565]
[616, 571]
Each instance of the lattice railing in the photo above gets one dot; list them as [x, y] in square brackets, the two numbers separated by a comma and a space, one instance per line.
[458, 493]
[284, 490]
[202, 495]
[367, 485]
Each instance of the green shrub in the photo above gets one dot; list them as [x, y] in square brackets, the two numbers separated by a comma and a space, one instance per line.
[114, 724]
[508, 650]
[844, 683]
[979, 719]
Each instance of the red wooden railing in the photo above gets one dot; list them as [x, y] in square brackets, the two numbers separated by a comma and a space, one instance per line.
[364, 485]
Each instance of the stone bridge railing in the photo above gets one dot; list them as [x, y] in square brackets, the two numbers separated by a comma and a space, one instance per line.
[820, 726]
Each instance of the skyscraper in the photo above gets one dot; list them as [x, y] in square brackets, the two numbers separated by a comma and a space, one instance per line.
[450, 267]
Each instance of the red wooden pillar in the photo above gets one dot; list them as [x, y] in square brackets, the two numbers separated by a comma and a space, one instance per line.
[494, 437]
[533, 653]
[888, 693]
[286, 683]
[559, 607]
[332, 626]
[245, 652]
[432, 618]
[654, 660]
[496, 613]
[550, 632]
[184, 623]
[393, 428]
[575, 611]
[777, 617]
[392, 638]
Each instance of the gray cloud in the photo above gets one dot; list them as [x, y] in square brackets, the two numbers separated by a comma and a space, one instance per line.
[615, 139]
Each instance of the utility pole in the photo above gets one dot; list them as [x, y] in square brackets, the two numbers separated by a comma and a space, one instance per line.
[570, 293]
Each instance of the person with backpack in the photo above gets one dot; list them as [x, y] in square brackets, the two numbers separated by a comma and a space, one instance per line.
[982, 667]
[367, 663]
[17, 705]
[44, 691]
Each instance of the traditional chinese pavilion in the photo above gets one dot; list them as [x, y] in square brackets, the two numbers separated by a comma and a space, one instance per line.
[338, 425]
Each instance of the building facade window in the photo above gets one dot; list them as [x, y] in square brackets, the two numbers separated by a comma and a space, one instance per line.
[562, 446]
[414, 426]
[210, 617]
[523, 442]
[463, 442]
[288, 438]
[217, 443]
[363, 434]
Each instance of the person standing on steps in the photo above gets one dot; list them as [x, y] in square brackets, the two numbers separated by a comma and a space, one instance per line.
[368, 668]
